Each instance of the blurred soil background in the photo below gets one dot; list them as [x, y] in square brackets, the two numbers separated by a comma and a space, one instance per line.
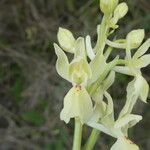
[31, 92]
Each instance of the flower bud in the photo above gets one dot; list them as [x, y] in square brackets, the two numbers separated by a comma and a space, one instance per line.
[66, 40]
[121, 10]
[135, 38]
[108, 6]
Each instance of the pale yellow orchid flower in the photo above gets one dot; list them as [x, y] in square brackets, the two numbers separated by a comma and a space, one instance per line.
[77, 102]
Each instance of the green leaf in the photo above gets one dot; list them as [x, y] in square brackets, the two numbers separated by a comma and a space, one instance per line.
[34, 117]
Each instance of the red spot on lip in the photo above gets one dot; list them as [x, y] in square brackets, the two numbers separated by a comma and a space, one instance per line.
[78, 87]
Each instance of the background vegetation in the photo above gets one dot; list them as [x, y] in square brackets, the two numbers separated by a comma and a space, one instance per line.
[31, 92]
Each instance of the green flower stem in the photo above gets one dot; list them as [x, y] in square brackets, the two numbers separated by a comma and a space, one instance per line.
[102, 35]
[91, 140]
[122, 62]
[96, 84]
[108, 51]
[77, 135]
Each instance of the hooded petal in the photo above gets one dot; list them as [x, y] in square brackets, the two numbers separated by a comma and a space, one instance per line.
[80, 71]
[77, 103]
[135, 38]
[66, 40]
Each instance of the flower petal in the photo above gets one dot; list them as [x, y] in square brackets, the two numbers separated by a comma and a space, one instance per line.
[124, 144]
[132, 97]
[143, 49]
[62, 64]
[89, 49]
[108, 119]
[66, 40]
[142, 61]
[109, 80]
[77, 103]
[135, 89]
[123, 70]
[129, 118]
[101, 127]
[80, 48]
[99, 111]
[144, 91]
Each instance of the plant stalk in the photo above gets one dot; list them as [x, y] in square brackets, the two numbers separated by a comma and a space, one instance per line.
[91, 140]
[77, 135]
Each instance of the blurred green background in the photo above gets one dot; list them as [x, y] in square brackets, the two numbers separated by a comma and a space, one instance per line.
[31, 92]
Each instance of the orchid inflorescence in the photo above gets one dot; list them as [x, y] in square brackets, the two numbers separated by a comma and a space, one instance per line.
[92, 74]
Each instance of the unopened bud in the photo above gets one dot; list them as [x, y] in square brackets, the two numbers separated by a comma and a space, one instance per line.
[108, 6]
[121, 10]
